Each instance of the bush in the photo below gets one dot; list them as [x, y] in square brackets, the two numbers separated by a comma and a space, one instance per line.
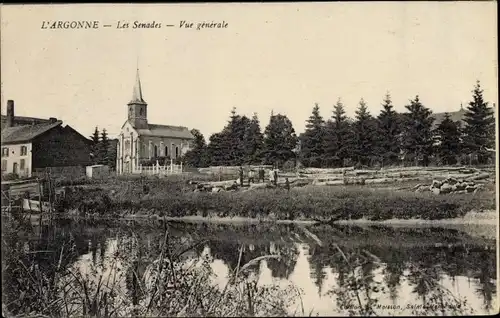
[10, 176]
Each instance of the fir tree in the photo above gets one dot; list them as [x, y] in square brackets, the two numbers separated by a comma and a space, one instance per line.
[197, 155]
[234, 133]
[338, 139]
[280, 140]
[103, 157]
[311, 140]
[448, 138]
[217, 154]
[252, 141]
[240, 135]
[112, 151]
[364, 135]
[94, 146]
[417, 137]
[389, 130]
[479, 130]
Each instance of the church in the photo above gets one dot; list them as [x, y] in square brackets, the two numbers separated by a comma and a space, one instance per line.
[141, 144]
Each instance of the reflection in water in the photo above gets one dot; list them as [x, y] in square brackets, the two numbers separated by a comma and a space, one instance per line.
[194, 269]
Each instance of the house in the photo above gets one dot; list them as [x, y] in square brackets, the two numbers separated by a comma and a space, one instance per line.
[141, 143]
[40, 145]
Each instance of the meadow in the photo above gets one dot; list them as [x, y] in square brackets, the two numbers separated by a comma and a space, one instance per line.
[174, 197]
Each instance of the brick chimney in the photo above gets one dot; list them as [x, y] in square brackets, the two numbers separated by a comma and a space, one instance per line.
[10, 113]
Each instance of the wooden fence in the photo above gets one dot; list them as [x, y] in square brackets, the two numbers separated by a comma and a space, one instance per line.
[157, 170]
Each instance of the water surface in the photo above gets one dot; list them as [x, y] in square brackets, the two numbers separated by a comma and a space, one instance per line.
[321, 270]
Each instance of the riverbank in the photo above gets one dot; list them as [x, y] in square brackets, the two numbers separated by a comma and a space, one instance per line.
[175, 198]
[471, 218]
[489, 217]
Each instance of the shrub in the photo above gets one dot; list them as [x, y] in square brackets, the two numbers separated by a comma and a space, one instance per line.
[10, 176]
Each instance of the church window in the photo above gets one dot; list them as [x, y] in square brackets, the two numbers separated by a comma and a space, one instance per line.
[176, 151]
[141, 112]
[156, 151]
[166, 151]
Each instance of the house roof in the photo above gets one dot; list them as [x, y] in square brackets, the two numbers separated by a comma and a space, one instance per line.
[18, 134]
[455, 116]
[166, 131]
[25, 119]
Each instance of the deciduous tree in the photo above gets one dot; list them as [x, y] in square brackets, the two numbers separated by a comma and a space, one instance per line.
[197, 155]
[280, 140]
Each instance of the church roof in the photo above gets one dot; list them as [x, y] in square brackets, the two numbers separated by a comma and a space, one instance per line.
[19, 134]
[137, 93]
[166, 131]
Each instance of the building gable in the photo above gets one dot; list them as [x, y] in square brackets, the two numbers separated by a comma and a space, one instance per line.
[22, 134]
[61, 146]
[127, 128]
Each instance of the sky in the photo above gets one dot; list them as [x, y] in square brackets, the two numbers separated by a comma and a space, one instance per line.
[271, 57]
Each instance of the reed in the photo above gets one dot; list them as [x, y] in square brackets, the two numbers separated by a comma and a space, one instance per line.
[130, 283]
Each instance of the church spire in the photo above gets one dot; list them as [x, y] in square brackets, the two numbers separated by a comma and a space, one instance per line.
[137, 93]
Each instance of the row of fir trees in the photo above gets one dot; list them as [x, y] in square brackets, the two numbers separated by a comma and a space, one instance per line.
[102, 150]
[391, 138]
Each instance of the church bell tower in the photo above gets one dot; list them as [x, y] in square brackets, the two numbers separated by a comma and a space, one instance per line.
[137, 107]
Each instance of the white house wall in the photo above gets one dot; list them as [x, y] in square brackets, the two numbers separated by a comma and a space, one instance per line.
[15, 157]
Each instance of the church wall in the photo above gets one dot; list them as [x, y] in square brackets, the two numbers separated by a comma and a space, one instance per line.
[148, 143]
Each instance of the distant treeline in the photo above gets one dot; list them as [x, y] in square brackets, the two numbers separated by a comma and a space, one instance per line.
[391, 138]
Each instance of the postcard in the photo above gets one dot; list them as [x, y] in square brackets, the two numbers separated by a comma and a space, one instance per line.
[249, 159]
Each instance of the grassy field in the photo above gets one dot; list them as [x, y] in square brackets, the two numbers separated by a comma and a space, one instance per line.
[175, 197]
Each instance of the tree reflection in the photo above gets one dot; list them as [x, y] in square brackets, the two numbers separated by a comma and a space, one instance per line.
[360, 259]
[485, 275]
[283, 267]
[393, 272]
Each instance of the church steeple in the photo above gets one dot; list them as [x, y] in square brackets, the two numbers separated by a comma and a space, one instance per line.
[137, 93]
[137, 107]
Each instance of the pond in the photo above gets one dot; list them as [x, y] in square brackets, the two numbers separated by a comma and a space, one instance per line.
[138, 268]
